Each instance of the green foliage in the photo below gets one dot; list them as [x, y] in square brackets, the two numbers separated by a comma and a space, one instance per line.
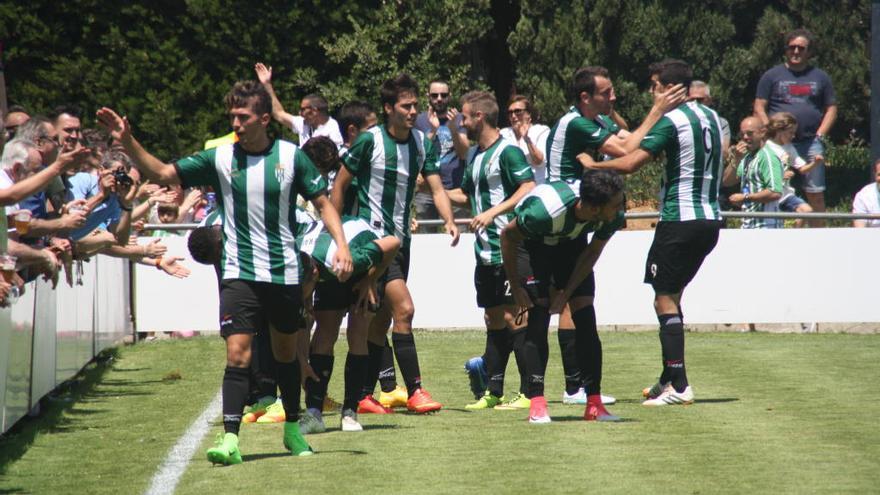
[167, 64]
[729, 44]
[427, 40]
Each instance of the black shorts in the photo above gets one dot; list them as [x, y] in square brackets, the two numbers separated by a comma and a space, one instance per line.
[250, 307]
[398, 269]
[552, 265]
[333, 295]
[677, 253]
[491, 283]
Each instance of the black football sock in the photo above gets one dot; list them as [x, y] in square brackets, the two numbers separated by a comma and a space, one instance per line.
[387, 375]
[408, 359]
[589, 349]
[537, 349]
[570, 366]
[672, 345]
[496, 356]
[322, 365]
[374, 363]
[356, 369]
[236, 382]
[517, 343]
[289, 383]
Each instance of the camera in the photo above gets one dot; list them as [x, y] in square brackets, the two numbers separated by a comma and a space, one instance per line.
[122, 178]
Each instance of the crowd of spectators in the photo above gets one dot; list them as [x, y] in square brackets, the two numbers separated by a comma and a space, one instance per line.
[70, 193]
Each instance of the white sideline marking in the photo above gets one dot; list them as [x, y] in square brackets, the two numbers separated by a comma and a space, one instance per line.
[166, 478]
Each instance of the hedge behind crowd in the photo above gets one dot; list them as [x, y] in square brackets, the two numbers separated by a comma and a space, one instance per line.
[167, 64]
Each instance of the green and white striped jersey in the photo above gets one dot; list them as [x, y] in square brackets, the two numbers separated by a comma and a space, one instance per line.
[256, 193]
[386, 172]
[547, 213]
[690, 135]
[490, 177]
[315, 241]
[760, 170]
[572, 135]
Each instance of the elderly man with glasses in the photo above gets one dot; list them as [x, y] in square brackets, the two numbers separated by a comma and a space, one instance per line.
[807, 93]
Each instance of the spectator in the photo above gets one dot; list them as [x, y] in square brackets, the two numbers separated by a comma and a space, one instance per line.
[314, 113]
[42, 133]
[780, 132]
[760, 176]
[96, 141]
[22, 175]
[15, 116]
[66, 119]
[108, 202]
[806, 92]
[529, 136]
[867, 200]
[442, 125]
[701, 93]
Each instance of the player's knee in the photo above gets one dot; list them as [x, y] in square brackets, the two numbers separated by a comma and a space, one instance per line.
[404, 312]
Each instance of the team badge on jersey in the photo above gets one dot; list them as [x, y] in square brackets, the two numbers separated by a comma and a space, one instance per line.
[279, 171]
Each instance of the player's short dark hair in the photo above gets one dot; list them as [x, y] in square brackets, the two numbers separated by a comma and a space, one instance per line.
[324, 154]
[655, 68]
[675, 72]
[68, 109]
[599, 186]
[801, 33]
[17, 108]
[485, 102]
[247, 93]
[585, 80]
[354, 113]
[205, 244]
[318, 102]
[596, 70]
[394, 87]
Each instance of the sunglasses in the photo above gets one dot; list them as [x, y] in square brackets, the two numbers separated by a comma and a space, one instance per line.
[438, 95]
[797, 48]
[516, 111]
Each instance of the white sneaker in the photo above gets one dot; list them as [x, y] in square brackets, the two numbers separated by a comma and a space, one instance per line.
[670, 397]
[311, 422]
[580, 397]
[349, 421]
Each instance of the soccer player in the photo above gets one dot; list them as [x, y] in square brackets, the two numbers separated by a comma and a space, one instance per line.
[584, 131]
[371, 256]
[554, 221]
[690, 136]
[587, 129]
[386, 161]
[496, 177]
[258, 180]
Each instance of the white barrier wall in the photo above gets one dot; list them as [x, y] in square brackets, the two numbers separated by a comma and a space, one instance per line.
[48, 335]
[760, 276]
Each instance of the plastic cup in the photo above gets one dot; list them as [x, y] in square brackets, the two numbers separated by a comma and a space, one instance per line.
[22, 221]
[7, 270]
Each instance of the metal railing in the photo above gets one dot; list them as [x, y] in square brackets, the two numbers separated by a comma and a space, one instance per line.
[635, 215]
